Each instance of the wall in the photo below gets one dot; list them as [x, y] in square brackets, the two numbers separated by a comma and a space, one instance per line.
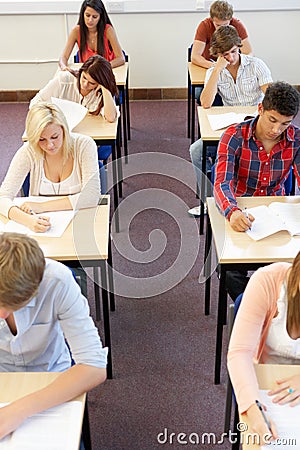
[156, 43]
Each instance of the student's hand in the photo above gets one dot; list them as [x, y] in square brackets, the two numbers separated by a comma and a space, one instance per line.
[221, 63]
[287, 390]
[239, 221]
[257, 424]
[10, 420]
[39, 224]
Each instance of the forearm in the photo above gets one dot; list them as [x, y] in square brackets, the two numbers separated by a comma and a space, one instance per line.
[118, 61]
[63, 62]
[210, 90]
[199, 60]
[110, 109]
[59, 204]
[67, 386]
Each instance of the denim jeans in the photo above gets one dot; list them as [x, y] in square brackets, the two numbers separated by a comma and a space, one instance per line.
[196, 151]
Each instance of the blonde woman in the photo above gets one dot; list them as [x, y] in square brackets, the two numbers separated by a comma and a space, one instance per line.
[60, 164]
[266, 330]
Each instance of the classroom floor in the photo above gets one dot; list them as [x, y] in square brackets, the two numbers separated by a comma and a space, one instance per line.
[162, 343]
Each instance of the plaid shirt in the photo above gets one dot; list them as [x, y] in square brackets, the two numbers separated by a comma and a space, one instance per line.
[243, 167]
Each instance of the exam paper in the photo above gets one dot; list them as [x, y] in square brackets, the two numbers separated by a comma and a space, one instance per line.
[286, 420]
[74, 112]
[53, 429]
[220, 121]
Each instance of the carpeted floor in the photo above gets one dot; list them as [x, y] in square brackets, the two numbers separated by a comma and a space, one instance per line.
[162, 344]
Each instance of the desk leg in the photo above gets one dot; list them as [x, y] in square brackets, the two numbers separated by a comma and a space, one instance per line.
[127, 106]
[97, 293]
[189, 106]
[106, 323]
[203, 185]
[119, 159]
[115, 188]
[111, 278]
[125, 126]
[222, 308]
[207, 266]
[193, 114]
[86, 432]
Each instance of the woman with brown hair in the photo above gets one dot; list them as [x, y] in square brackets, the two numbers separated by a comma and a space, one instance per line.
[94, 34]
[266, 330]
[93, 86]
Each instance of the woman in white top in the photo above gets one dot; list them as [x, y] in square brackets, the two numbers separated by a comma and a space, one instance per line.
[93, 86]
[60, 164]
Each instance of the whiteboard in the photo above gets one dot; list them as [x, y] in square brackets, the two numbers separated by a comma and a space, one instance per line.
[141, 6]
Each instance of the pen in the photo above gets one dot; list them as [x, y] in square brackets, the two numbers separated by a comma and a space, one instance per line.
[245, 211]
[264, 415]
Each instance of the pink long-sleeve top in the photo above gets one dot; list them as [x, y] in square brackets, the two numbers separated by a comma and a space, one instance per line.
[248, 339]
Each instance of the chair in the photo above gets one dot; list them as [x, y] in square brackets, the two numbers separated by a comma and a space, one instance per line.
[232, 311]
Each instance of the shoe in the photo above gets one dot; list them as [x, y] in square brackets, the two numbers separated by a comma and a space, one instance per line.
[195, 212]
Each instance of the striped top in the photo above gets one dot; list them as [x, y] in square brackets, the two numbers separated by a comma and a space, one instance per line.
[246, 91]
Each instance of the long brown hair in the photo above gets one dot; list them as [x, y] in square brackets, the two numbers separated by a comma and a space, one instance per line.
[100, 70]
[98, 6]
[293, 295]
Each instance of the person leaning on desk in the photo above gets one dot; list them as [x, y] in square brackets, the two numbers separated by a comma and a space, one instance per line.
[42, 312]
[94, 35]
[221, 13]
[60, 164]
[254, 158]
[240, 80]
[93, 86]
[266, 330]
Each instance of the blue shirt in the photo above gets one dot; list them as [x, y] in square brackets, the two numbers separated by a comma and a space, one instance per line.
[59, 311]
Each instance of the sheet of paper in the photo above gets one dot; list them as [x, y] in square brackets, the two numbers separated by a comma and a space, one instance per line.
[53, 429]
[59, 221]
[265, 223]
[291, 214]
[74, 112]
[220, 121]
[286, 420]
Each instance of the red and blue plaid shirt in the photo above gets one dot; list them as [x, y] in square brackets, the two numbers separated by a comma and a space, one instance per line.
[243, 167]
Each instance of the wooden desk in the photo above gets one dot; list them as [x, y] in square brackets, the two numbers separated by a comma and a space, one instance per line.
[266, 376]
[211, 137]
[196, 78]
[15, 385]
[86, 242]
[237, 251]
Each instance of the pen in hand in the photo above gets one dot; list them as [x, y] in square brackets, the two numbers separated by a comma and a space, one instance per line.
[245, 211]
[267, 422]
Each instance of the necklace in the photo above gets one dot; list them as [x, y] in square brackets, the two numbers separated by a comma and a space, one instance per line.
[93, 38]
[55, 191]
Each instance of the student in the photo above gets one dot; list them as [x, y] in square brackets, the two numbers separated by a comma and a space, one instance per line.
[94, 34]
[240, 80]
[93, 86]
[221, 13]
[60, 164]
[266, 330]
[254, 158]
[41, 307]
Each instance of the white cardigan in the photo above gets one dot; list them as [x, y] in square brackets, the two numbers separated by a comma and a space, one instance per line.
[26, 160]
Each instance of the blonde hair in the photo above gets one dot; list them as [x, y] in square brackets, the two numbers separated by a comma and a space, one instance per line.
[22, 265]
[293, 295]
[221, 10]
[223, 39]
[41, 115]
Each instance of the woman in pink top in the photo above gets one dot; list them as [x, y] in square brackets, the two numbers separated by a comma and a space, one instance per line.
[266, 330]
[94, 34]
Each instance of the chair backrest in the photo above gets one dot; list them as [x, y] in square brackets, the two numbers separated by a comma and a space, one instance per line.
[190, 52]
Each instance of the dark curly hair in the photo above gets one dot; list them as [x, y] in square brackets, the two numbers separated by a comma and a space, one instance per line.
[283, 98]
